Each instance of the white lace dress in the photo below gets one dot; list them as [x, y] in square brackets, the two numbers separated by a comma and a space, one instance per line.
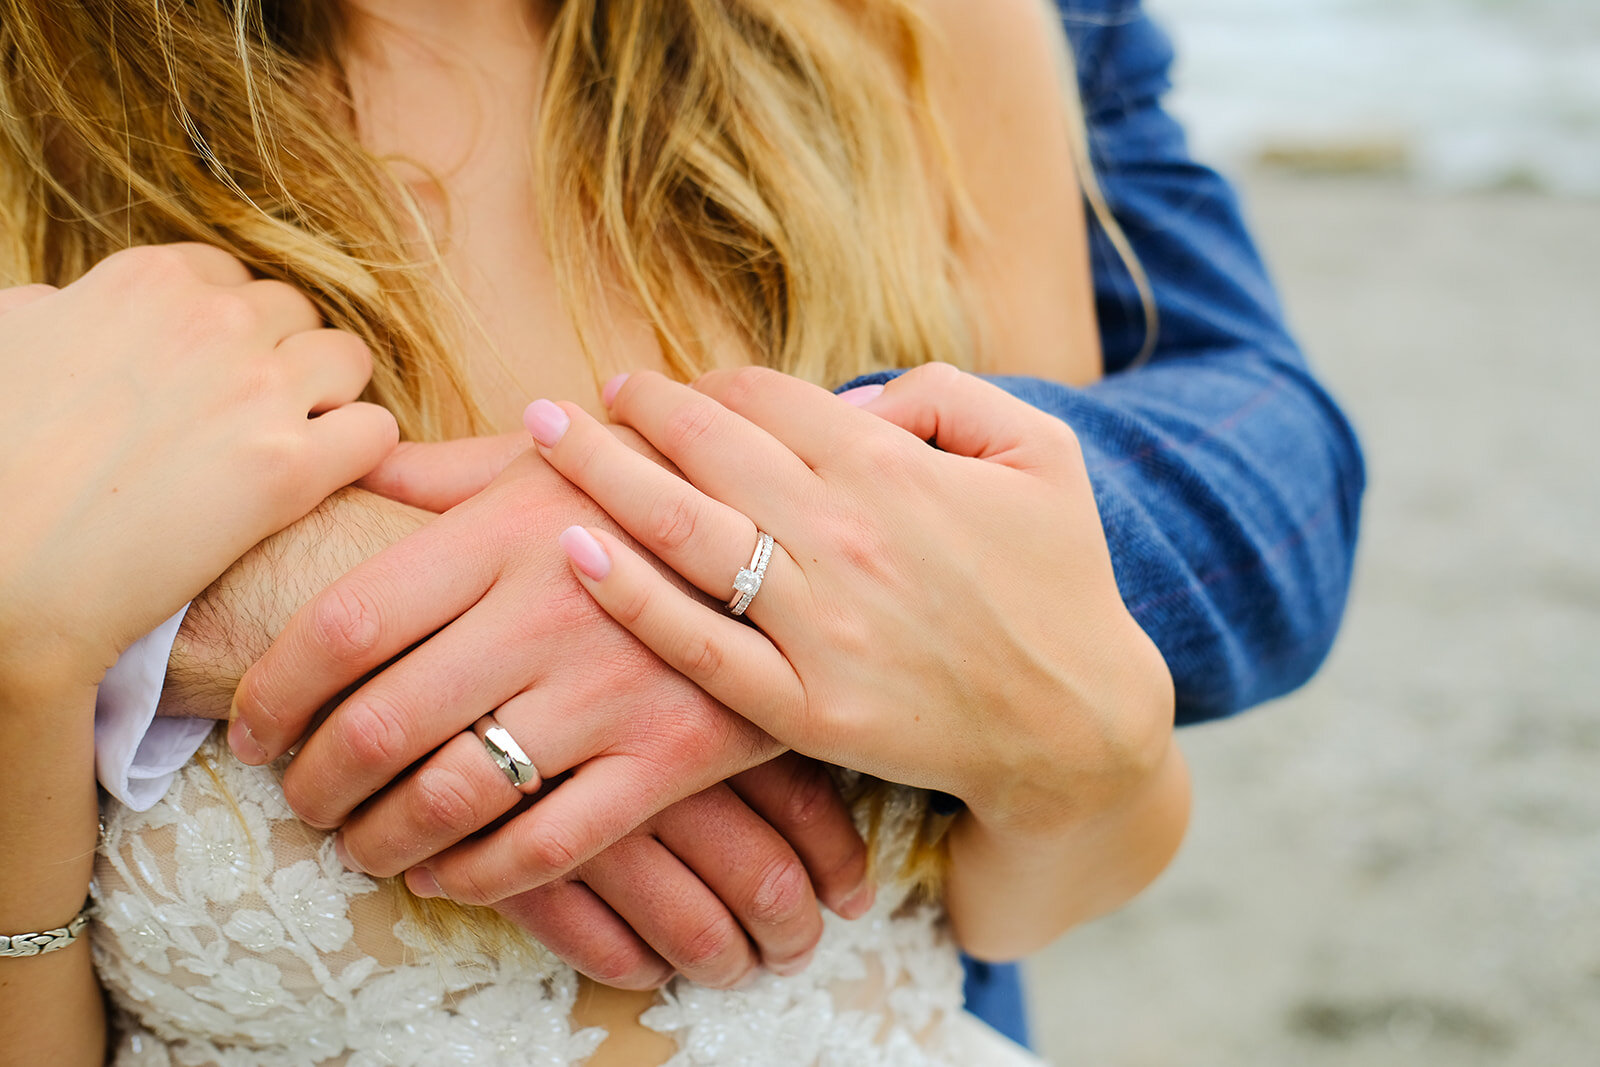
[227, 933]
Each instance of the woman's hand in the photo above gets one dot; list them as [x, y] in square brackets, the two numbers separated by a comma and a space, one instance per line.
[164, 413]
[947, 619]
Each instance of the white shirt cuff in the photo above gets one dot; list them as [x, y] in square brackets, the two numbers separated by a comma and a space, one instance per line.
[135, 753]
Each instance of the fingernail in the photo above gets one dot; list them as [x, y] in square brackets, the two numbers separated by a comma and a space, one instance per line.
[856, 904]
[422, 883]
[861, 395]
[344, 855]
[546, 422]
[790, 968]
[609, 393]
[585, 551]
[245, 745]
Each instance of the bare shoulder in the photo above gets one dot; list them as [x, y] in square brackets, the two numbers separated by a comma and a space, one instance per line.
[996, 61]
[1004, 39]
[997, 72]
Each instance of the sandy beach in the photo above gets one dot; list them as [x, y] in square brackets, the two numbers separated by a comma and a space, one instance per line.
[1400, 865]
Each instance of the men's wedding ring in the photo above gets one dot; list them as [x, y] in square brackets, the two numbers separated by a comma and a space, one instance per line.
[747, 583]
[507, 754]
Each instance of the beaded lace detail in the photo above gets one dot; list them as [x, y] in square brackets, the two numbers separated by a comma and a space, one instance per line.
[228, 933]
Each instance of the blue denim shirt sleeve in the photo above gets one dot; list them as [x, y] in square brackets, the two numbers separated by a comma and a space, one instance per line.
[1228, 481]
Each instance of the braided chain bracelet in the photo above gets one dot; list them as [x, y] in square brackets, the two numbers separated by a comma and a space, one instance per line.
[46, 941]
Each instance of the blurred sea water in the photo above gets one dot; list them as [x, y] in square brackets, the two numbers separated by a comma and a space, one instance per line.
[1455, 93]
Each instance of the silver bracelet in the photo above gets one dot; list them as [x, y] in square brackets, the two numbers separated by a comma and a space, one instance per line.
[47, 941]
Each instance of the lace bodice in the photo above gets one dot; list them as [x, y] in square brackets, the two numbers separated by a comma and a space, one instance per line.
[228, 933]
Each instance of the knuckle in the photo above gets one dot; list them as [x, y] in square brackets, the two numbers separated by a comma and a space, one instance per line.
[627, 965]
[782, 892]
[147, 265]
[672, 522]
[445, 804]
[633, 605]
[741, 386]
[579, 452]
[712, 953]
[375, 864]
[890, 457]
[846, 866]
[223, 313]
[689, 425]
[369, 733]
[288, 293]
[551, 851]
[307, 801]
[702, 658]
[276, 458]
[811, 797]
[346, 625]
[1067, 445]
[356, 350]
[935, 375]
[471, 886]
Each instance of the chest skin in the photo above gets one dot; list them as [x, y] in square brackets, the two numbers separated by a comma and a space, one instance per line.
[455, 112]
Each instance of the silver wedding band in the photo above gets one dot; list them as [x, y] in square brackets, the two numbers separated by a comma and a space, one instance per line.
[507, 754]
[747, 583]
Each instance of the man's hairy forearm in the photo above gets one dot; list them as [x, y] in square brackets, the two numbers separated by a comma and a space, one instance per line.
[231, 624]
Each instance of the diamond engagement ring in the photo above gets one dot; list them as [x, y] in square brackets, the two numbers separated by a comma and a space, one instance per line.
[747, 583]
[507, 754]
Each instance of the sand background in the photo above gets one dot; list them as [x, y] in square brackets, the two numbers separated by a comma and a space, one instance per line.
[1400, 865]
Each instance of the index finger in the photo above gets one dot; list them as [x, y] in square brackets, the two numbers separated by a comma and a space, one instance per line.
[357, 624]
[604, 799]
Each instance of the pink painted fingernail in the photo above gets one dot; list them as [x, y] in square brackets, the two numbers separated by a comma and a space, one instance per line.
[546, 422]
[245, 745]
[344, 855]
[861, 395]
[422, 883]
[609, 393]
[586, 552]
[856, 904]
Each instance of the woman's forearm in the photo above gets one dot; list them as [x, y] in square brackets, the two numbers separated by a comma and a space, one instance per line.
[1011, 890]
[51, 1010]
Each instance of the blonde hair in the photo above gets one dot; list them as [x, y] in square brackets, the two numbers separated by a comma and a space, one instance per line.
[762, 158]
[772, 168]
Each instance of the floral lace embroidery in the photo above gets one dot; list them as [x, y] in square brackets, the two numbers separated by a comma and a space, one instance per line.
[228, 933]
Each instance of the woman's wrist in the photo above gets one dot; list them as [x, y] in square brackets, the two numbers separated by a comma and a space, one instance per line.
[1098, 743]
[45, 676]
[1053, 807]
[48, 827]
[1013, 887]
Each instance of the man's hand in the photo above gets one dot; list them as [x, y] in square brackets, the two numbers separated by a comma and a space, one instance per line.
[233, 622]
[711, 886]
[689, 892]
[503, 627]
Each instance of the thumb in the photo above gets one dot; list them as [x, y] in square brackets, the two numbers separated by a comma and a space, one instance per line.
[438, 475]
[964, 415]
